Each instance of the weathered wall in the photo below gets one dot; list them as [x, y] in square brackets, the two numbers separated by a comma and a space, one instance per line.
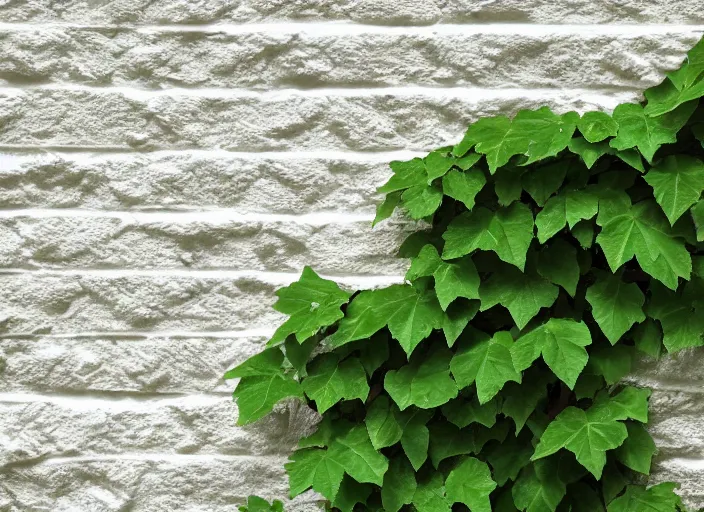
[166, 164]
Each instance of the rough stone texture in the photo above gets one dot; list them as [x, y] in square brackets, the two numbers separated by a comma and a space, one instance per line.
[346, 119]
[286, 183]
[337, 57]
[383, 12]
[200, 241]
[165, 165]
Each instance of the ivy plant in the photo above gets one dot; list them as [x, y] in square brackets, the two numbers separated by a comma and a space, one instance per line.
[555, 248]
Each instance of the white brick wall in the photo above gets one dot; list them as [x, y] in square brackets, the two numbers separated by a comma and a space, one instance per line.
[165, 165]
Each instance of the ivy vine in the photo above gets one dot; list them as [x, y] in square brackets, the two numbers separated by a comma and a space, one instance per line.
[558, 246]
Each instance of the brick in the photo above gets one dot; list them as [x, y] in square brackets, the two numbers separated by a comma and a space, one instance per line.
[349, 56]
[122, 365]
[386, 12]
[280, 184]
[380, 120]
[201, 241]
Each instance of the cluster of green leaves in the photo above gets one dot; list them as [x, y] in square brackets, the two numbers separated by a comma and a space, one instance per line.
[558, 247]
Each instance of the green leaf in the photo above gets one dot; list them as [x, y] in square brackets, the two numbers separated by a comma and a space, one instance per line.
[355, 453]
[583, 232]
[463, 186]
[386, 208]
[690, 72]
[422, 200]
[558, 264]
[298, 354]
[648, 338]
[382, 424]
[536, 134]
[331, 380]
[539, 487]
[522, 294]
[437, 163]
[666, 97]
[520, 400]
[508, 458]
[457, 317]
[507, 184]
[447, 440]
[406, 175]
[452, 280]
[257, 396]
[257, 504]
[430, 495]
[638, 449]
[681, 326]
[698, 217]
[590, 152]
[616, 305]
[613, 363]
[461, 412]
[641, 230]
[636, 129]
[597, 126]
[566, 208]
[410, 314]
[630, 403]
[561, 343]
[544, 181]
[659, 498]
[470, 483]
[416, 436]
[584, 435]
[587, 385]
[374, 352]
[613, 482]
[311, 303]
[399, 485]
[508, 232]
[425, 382]
[678, 183]
[314, 468]
[326, 431]
[267, 362]
[631, 157]
[351, 493]
[487, 362]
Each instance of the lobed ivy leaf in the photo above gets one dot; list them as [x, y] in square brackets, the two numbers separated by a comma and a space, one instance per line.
[629, 403]
[416, 435]
[257, 504]
[399, 486]
[520, 400]
[659, 498]
[508, 232]
[638, 449]
[410, 314]
[457, 317]
[616, 305]
[641, 230]
[430, 495]
[257, 395]
[561, 343]
[678, 183]
[636, 129]
[386, 208]
[350, 494]
[586, 435]
[539, 487]
[314, 468]
[406, 175]
[566, 208]
[425, 382]
[463, 185]
[612, 363]
[524, 295]
[544, 181]
[507, 459]
[666, 97]
[331, 380]
[558, 264]
[486, 362]
[382, 423]
[597, 126]
[462, 412]
[311, 303]
[681, 327]
[452, 280]
[470, 483]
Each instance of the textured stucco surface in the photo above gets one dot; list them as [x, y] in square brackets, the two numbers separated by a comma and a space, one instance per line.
[165, 165]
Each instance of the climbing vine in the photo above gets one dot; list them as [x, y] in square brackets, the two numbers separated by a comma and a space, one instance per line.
[558, 247]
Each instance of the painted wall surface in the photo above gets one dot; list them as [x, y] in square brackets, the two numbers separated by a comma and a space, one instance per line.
[165, 165]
